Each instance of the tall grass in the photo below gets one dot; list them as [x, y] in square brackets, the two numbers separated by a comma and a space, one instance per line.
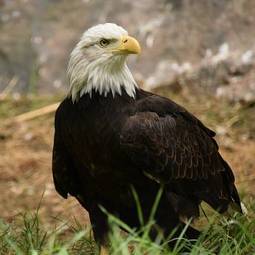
[27, 236]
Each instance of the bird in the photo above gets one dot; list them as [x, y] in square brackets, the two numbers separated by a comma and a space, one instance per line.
[113, 138]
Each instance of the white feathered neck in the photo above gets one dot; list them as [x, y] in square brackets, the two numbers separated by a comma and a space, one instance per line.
[108, 76]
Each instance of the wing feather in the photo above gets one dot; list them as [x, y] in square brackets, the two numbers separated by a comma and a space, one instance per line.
[171, 143]
[64, 177]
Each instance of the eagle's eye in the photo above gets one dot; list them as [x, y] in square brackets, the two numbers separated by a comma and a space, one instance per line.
[104, 42]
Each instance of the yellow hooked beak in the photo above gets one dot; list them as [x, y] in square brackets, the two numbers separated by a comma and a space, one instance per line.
[128, 45]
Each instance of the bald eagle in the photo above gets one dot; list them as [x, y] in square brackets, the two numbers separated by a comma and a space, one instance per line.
[110, 135]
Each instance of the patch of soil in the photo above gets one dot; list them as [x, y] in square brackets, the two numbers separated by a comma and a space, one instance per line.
[25, 174]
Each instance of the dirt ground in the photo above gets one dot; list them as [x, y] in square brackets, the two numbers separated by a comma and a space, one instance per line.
[25, 174]
[25, 170]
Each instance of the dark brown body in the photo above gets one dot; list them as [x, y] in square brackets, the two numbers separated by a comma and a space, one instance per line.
[105, 145]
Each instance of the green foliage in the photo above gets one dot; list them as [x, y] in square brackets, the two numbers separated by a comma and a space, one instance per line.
[26, 236]
[30, 238]
[220, 235]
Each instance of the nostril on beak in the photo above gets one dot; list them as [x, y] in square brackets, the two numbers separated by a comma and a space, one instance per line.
[125, 40]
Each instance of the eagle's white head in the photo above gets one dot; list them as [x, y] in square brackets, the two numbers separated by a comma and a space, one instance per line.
[98, 62]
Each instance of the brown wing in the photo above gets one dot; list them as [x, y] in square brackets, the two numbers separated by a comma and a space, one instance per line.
[170, 146]
[177, 149]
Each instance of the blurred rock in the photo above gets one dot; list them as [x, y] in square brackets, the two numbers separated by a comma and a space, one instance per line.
[207, 45]
[226, 74]
[167, 75]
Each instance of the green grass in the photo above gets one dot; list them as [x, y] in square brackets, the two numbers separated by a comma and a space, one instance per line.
[26, 235]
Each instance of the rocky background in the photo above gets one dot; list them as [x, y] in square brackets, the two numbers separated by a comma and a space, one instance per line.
[202, 46]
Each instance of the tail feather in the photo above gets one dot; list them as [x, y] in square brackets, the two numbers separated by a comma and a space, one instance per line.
[229, 180]
[236, 199]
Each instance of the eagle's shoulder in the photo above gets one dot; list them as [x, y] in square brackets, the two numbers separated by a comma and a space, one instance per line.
[63, 108]
[149, 102]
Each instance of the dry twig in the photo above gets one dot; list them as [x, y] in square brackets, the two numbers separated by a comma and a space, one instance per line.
[35, 113]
